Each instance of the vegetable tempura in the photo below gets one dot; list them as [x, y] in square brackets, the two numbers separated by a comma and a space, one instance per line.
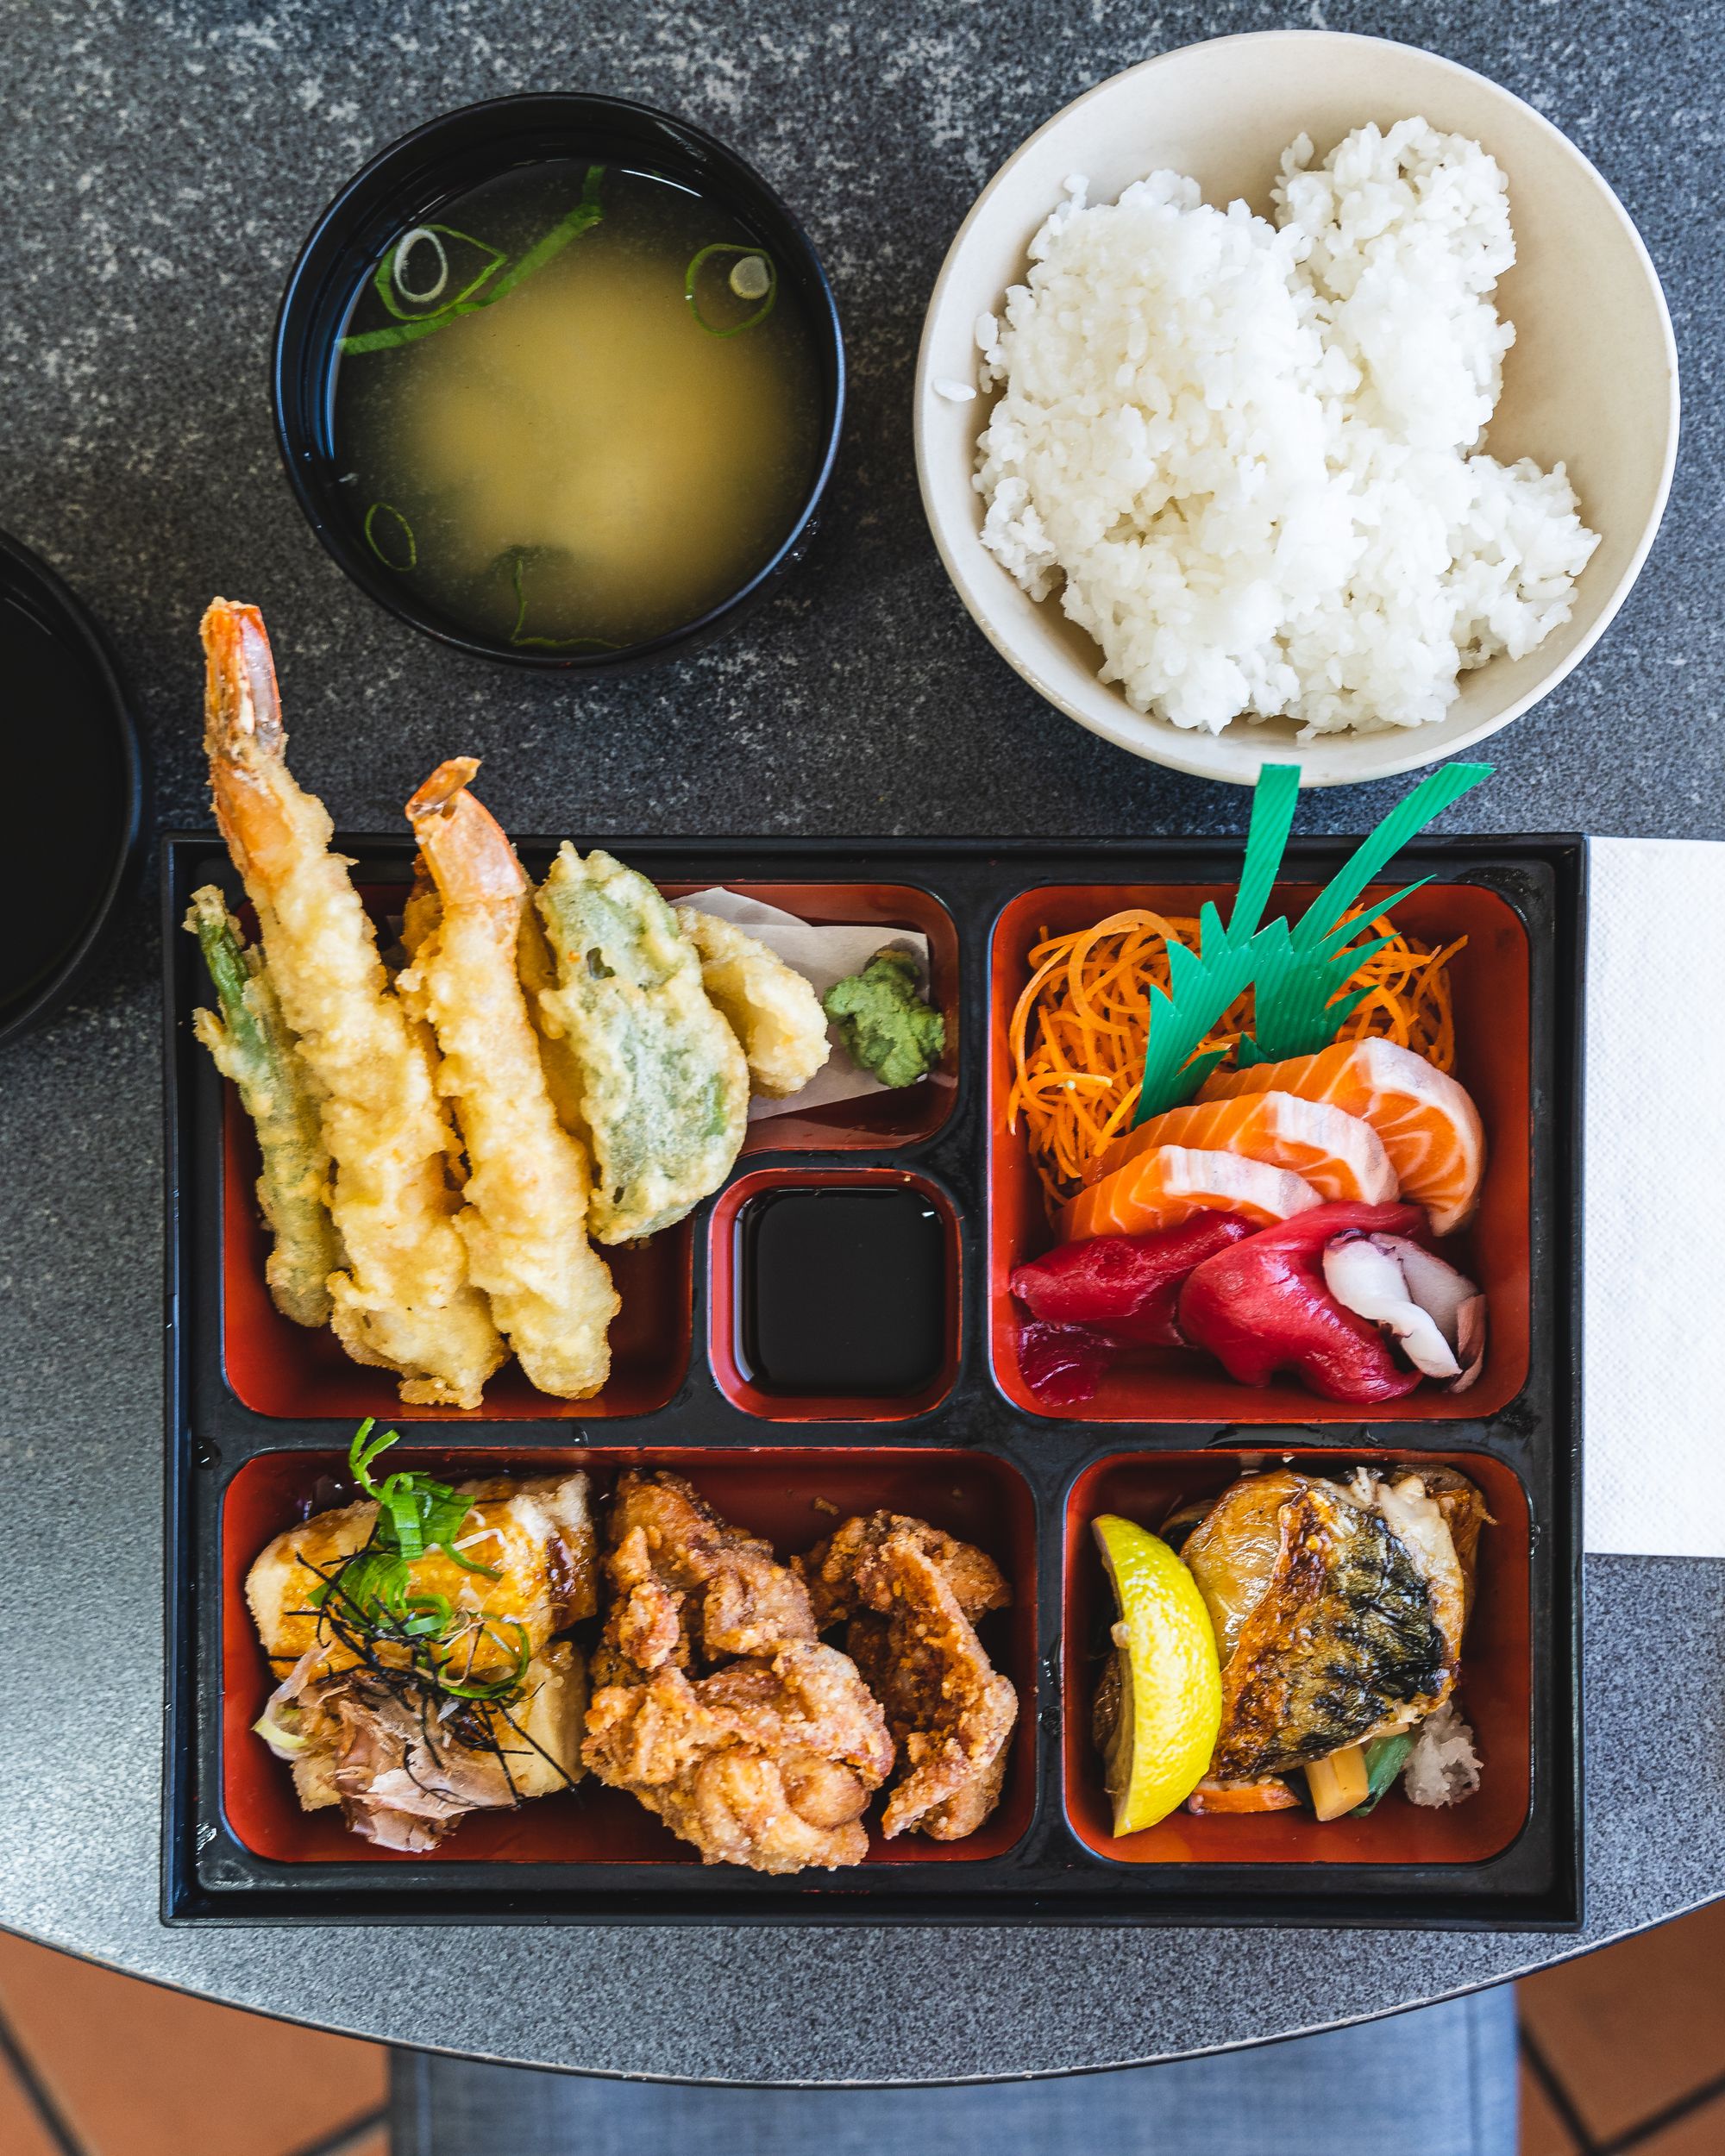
[662, 1085]
[250, 1044]
[772, 1009]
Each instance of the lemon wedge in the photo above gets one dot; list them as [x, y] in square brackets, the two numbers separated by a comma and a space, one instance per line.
[1169, 1695]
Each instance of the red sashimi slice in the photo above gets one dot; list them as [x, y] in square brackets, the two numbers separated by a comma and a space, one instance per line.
[1126, 1285]
[1428, 1123]
[1339, 1155]
[1167, 1184]
[1062, 1365]
[1262, 1307]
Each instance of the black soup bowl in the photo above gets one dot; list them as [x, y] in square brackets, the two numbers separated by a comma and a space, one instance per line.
[406, 186]
[74, 776]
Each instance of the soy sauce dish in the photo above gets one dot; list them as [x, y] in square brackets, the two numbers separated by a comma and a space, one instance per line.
[559, 379]
[73, 766]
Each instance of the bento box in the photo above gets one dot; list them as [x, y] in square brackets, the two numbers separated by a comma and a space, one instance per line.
[260, 1415]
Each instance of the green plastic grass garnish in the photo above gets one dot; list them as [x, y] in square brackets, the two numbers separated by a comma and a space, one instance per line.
[495, 282]
[726, 247]
[399, 524]
[1299, 974]
[1203, 983]
[1302, 999]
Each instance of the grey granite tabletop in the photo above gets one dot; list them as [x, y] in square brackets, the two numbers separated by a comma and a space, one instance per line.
[164, 164]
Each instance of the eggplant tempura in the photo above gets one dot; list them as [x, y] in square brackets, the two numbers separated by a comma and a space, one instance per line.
[402, 1297]
[526, 1199]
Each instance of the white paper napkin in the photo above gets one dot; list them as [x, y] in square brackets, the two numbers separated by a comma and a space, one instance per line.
[1654, 1226]
[825, 954]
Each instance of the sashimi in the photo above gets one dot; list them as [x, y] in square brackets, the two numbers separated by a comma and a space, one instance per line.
[1167, 1184]
[1262, 1306]
[1429, 1126]
[1342, 1157]
[1128, 1285]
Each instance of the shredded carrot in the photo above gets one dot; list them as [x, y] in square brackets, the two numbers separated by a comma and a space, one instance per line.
[1078, 1032]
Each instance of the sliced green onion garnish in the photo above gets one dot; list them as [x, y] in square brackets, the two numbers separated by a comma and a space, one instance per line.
[403, 254]
[369, 1603]
[498, 1687]
[750, 254]
[397, 529]
[586, 212]
[387, 284]
[493, 282]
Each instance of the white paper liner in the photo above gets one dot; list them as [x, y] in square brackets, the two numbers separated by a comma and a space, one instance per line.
[1653, 1233]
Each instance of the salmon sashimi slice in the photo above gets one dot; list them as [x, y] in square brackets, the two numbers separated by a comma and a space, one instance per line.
[1167, 1184]
[1342, 1157]
[1429, 1126]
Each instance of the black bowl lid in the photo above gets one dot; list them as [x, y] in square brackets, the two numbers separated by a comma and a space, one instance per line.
[74, 786]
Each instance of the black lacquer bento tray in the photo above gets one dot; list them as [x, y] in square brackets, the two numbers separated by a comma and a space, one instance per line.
[258, 1412]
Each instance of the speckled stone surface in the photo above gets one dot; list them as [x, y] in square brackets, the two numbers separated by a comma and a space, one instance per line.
[163, 166]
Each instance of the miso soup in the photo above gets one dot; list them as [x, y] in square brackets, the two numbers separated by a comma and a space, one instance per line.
[578, 409]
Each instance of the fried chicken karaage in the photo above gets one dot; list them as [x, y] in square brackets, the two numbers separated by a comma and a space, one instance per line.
[908, 1597]
[715, 1702]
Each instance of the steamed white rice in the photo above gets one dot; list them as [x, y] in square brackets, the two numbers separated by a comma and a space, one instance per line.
[1247, 455]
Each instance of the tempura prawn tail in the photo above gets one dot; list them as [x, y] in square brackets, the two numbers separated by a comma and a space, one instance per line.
[529, 1183]
[404, 1299]
[249, 1042]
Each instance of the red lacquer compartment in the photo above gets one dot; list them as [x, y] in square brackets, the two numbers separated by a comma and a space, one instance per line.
[874, 1122]
[277, 1368]
[1490, 985]
[1495, 1694]
[729, 1262]
[793, 1495]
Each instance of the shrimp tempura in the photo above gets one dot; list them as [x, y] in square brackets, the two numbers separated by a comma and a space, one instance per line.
[526, 1197]
[404, 1299]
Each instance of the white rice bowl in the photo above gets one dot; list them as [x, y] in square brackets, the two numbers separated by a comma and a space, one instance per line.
[1247, 456]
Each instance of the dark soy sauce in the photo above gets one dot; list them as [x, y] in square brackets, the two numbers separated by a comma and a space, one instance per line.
[841, 1292]
[67, 777]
